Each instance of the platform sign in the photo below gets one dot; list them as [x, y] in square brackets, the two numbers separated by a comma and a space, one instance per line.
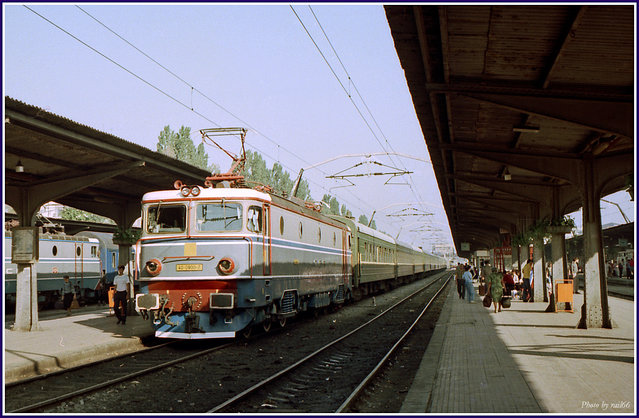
[24, 245]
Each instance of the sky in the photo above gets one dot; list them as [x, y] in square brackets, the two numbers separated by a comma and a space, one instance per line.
[245, 65]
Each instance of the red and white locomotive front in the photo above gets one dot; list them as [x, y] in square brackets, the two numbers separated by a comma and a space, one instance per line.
[199, 252]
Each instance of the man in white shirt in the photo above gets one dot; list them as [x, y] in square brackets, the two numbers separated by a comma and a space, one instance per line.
[121, 282]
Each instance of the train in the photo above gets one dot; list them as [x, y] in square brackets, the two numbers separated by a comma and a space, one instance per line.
[83, 257]
[219, 262]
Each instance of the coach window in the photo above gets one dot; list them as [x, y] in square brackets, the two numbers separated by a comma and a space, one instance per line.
[281, 225]
[78, 251]
[254, 219]
[301, 229]
[94, 251]
[54, 250]
[166, 218]
[319, 235]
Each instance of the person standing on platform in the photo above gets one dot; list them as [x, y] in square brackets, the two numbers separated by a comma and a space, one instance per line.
[574, 268]
[101, 289]
[460, 281]
[495, 287]
[468, 280]
[67, 291]
[525, 273]
[121, 283]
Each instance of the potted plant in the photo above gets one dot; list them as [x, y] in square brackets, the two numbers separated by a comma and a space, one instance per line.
[127, 236]
[562, 225]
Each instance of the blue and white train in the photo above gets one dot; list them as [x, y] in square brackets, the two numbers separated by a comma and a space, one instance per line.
[60, 254]
[216, 262]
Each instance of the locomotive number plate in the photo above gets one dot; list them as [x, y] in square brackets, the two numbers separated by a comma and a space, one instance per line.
[189, 267]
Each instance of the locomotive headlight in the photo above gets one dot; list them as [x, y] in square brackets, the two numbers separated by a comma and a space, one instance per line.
[195, 190]
[185, 190]
[226, 265]
[153, 267]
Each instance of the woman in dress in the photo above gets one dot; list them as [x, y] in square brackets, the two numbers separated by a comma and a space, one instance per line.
[495, 285]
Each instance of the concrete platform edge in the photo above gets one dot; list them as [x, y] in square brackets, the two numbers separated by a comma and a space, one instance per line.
[418, 397]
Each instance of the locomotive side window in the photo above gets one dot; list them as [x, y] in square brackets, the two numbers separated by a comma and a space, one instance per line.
[54, 250]
[166, 218]
[78, 251]
[254, 221]
[219, 217]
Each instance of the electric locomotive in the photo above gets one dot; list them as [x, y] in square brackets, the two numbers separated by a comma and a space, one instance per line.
[214, 262]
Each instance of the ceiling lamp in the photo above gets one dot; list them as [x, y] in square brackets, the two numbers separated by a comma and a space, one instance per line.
[530, 129]
[507, 175]
[19, 167]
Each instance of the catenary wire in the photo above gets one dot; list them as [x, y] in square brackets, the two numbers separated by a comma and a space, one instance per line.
[180, 102]
[412, 185]
[221, 107]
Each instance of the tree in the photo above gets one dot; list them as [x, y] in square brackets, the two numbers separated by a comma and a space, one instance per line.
[73, 214]
[363, 220]
[255, 170]
[179, 145]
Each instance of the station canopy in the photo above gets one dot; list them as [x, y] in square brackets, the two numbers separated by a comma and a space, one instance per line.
[512, 99]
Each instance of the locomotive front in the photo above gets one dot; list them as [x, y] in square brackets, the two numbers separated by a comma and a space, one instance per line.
[198, 256]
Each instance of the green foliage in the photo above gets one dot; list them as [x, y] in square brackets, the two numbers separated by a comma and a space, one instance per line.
[539, 229]
[73, 214]
[126, 236]
[520, 240]
[363, 220]
[563, 221]
[334, 207]
[255, 170]
[179, 145]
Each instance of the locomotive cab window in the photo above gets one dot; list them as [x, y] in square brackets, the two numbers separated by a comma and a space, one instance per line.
[254, 219]
[218, 217]
[166, 218]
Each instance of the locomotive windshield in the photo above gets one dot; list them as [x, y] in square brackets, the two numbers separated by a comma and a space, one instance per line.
[166, 218]
[218, 217]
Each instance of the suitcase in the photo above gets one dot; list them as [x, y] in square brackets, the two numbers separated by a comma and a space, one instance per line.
[482, 289]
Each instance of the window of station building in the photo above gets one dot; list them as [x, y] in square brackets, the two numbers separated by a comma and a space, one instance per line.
[218, 217]
[254, 219]
[163, 219]
[54, 250]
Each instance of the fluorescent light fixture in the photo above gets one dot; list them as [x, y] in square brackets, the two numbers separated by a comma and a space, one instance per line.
[19, 167]
[531, 129]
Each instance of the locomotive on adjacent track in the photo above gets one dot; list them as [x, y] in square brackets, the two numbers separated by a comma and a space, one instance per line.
[60, 255]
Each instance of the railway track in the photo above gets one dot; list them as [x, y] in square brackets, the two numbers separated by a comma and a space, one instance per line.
[42, 391]
[333, 376]
[164, 381]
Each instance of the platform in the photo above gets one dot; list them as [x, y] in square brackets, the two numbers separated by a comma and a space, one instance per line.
[90, 334]
[524, 360]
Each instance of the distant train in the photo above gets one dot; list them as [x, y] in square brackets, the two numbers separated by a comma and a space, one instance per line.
[82, 257]
[216, 262]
